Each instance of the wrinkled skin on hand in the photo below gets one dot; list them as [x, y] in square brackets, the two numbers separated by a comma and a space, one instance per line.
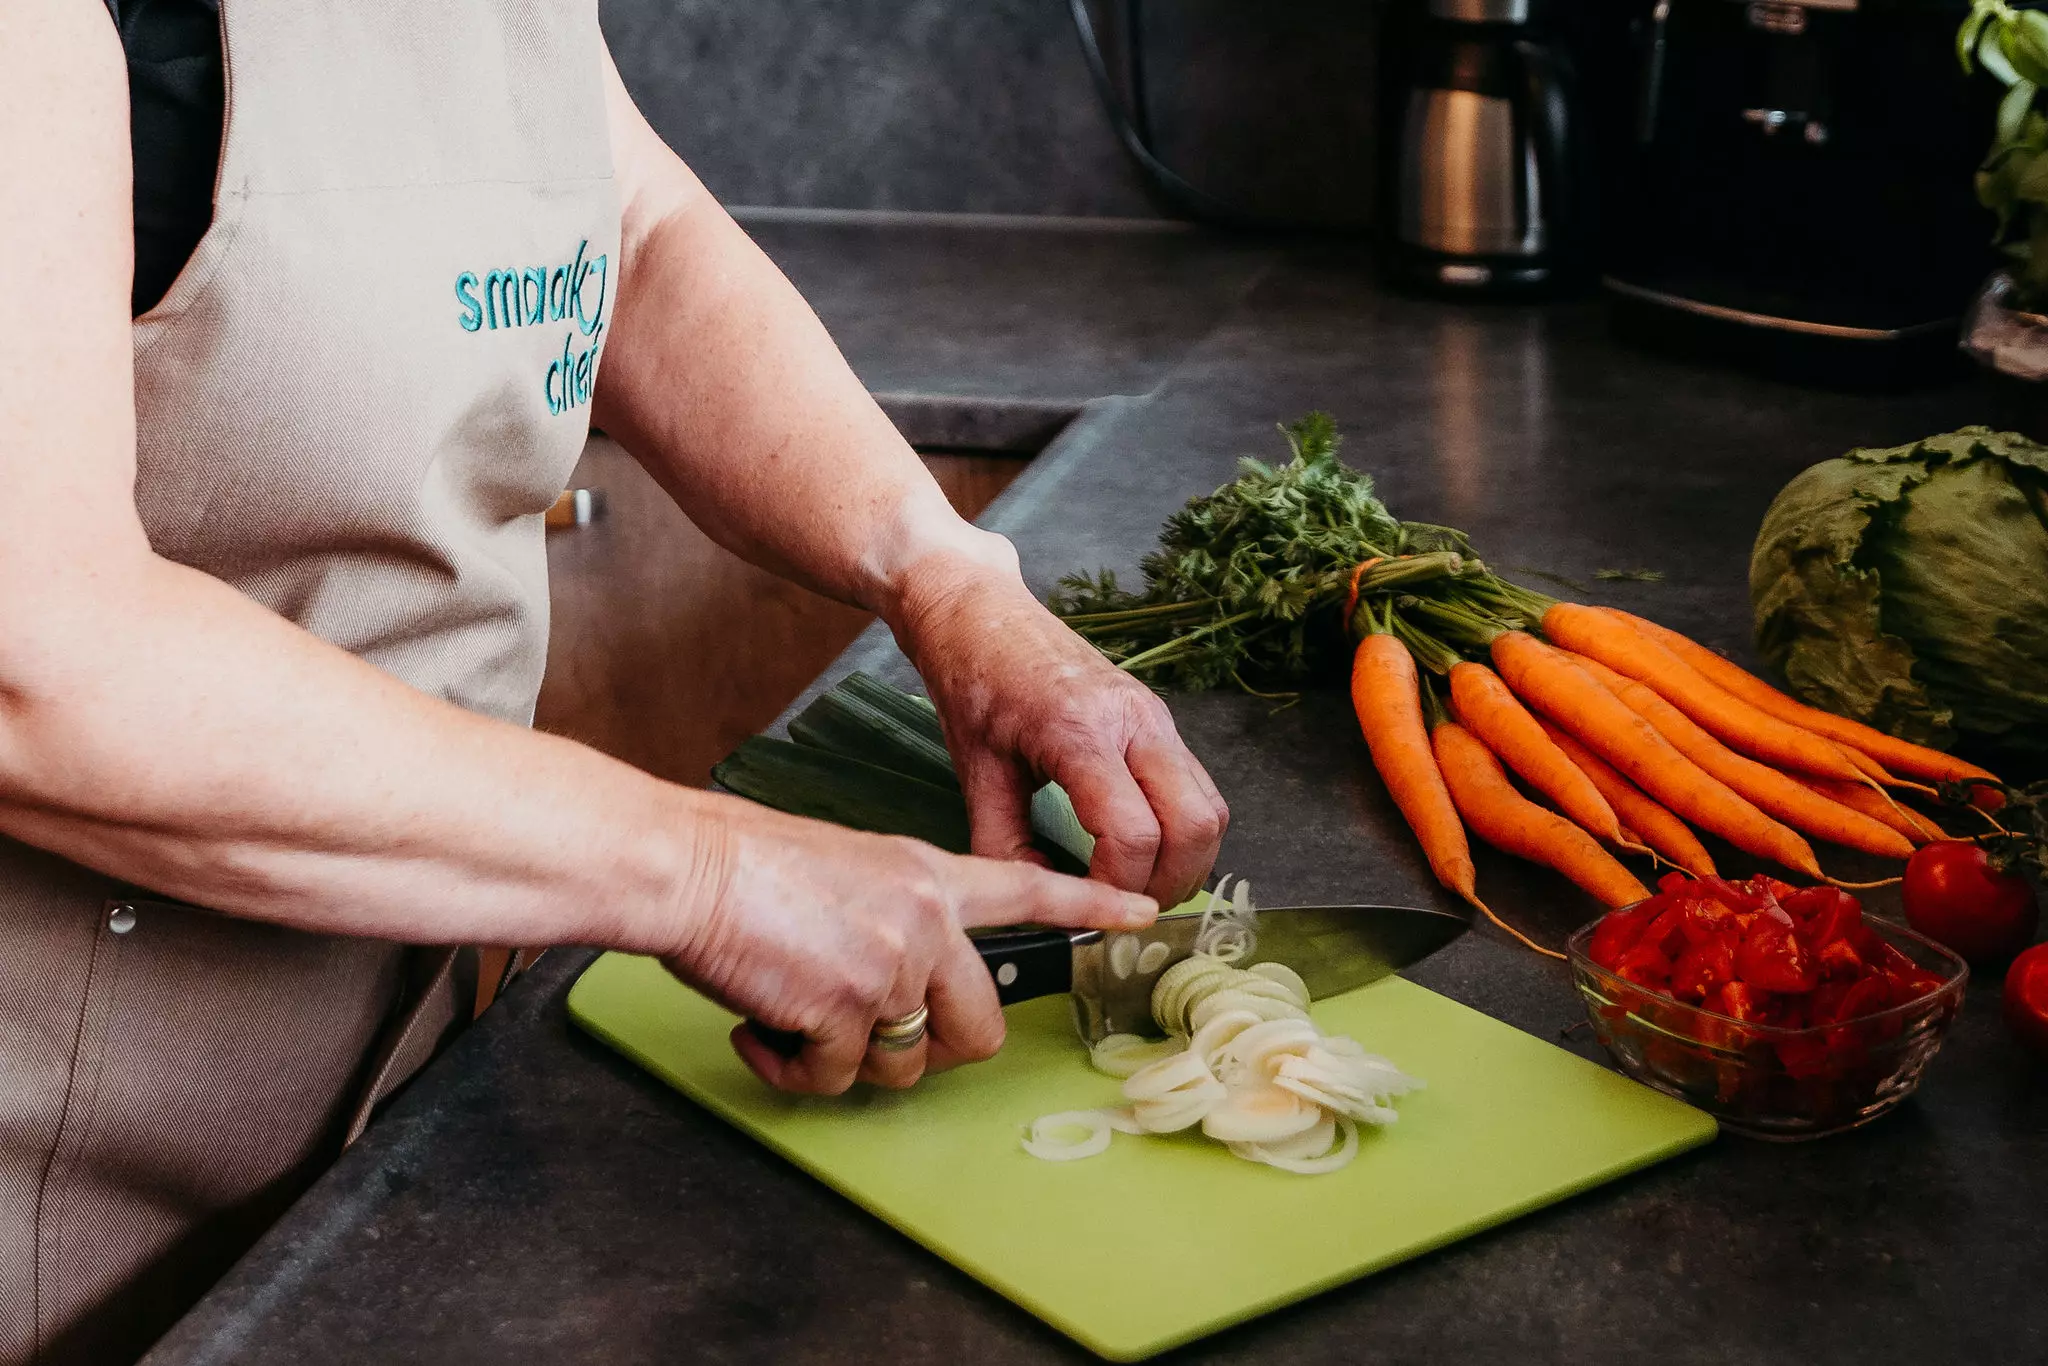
[1024, 701]
[823, 931]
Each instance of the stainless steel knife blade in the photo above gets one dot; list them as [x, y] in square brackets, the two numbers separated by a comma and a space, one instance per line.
[1334, 948]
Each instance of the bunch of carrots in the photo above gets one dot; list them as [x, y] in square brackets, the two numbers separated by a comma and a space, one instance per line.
[1634, 734]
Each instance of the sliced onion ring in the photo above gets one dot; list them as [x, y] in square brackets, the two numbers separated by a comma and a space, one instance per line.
[1243, 1059]
[1331, 1161]
[1042, 1141]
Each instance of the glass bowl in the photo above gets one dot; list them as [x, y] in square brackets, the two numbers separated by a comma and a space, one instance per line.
[1768, 1081]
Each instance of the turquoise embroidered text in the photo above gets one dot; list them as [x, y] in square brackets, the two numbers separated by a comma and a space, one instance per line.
[514, 297]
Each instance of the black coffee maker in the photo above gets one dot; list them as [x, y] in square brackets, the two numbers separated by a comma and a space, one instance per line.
[1789, 185]
[1489, 171]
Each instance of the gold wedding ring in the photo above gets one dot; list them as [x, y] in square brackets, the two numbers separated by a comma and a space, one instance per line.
[904, 1032]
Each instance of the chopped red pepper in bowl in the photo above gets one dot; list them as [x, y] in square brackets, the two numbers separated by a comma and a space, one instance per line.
[1780, 1010]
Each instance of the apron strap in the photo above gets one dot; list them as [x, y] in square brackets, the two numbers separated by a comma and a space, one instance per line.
[433, 1011]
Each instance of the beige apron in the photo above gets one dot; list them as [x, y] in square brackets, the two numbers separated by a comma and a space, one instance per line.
[354, 405]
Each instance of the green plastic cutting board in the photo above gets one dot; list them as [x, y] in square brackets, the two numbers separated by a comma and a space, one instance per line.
[1161, 1240]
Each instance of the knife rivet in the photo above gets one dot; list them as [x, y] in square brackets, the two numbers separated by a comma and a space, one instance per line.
[1006, 975]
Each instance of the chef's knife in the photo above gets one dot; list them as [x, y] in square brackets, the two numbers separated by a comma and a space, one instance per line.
[1110, 977]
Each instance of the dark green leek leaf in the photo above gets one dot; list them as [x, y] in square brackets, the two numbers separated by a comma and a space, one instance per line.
[1966, 36]
[2029, 49]
[870, 757]
[2012, 110]
[1992, 51]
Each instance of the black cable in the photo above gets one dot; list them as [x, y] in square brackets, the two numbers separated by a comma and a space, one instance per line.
[1194, 202]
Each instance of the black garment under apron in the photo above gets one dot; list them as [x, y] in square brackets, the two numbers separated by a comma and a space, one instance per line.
[177, 99]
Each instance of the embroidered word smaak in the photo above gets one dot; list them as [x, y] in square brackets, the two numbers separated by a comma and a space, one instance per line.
[521, 298]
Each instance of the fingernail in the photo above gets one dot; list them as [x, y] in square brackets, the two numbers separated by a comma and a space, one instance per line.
[1140, 910]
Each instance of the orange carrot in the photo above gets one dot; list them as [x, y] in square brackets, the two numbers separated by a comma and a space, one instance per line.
[1595, 634]
[1486, 708]
[1900, 756]
[1552, 683]
[1384, 693]
[1667, 834]
[1867, 766]
[1511, 822]
[1878, 806]
[1770, 790]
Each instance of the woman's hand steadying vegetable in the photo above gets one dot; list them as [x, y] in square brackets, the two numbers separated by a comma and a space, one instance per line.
[1025, 701]
[821, 931]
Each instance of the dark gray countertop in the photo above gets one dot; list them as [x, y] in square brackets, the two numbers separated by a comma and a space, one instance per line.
[533, 1197]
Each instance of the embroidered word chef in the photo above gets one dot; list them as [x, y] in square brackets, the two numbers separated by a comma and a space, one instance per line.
[575, 292]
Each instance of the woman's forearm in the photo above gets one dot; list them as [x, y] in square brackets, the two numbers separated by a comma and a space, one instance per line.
[157, 726]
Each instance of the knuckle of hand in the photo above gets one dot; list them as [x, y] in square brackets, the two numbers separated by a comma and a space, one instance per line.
[892, 943]
[908, 859]
[1201, 825]
[1140, 836]
[927, 895]
[878, 981]
[900, 1080]
[861, 985]
[1070, 728]
[983, 1039]
[1142, 711]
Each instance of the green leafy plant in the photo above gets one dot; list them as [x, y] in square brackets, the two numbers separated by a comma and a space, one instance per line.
[2012, 45]
[1248, 585]
[1907, 588]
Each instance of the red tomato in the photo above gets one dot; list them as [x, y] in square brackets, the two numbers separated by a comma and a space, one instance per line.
[1708, 920]
[1772, 959]
[1877, 953]
[1701, 968]
[1911, 983]
[1618, 932]
[1871, 995]
[1804, 1056]
[1840, 961]
[1804, 902]
[1737, 1000]
[1728, 894]
[1790, 1012]
[1644, 966]
[1667, 932]
[1866, 997]
[1822, 913]
[2026, 998]
[1954, 895]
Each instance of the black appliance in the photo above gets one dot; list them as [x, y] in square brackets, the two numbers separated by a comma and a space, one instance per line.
[1489, 167]
[1791, 189]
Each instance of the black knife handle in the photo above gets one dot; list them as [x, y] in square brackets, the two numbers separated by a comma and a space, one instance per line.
[1026, 964]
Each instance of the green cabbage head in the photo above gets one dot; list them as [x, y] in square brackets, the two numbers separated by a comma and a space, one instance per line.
[1908, 588]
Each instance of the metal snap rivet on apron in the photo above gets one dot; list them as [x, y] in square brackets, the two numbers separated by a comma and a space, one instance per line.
[121, 919]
